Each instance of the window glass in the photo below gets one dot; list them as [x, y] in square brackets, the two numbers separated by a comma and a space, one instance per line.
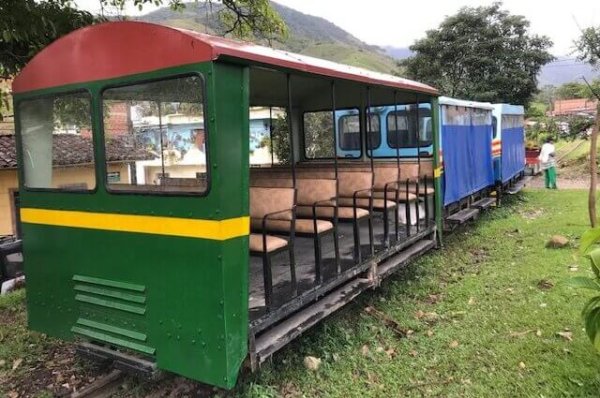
[481, 117]
[494, 127]
[349, 131]
[403, 134]
[318, 135]
[262, 122]
[161, 128]
[374, 128]
[512, 121]
[57, 142]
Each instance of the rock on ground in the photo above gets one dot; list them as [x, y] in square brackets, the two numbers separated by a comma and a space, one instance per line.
[557, 241]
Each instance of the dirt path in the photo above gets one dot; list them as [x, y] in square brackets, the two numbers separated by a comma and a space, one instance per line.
[562, 183]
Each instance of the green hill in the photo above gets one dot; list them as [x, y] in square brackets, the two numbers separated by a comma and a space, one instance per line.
[308, 35]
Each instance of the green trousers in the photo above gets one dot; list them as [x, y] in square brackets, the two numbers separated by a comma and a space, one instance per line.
[550, 176]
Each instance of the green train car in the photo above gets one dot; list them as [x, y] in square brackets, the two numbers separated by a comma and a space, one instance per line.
[188, 255]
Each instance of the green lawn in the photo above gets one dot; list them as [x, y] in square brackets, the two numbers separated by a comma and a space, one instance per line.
[481, 293]
[479, 323]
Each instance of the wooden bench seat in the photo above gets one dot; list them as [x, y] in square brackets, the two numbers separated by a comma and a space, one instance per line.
[303, 226]
[273, 243]
[267, 205]
[344, 213]
[391, 195]
[364, 203]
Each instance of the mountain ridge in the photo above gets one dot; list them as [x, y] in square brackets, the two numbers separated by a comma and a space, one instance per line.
[308, 34]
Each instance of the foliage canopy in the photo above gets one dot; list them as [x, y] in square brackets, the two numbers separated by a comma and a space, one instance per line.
[27, 26]
[481, 53]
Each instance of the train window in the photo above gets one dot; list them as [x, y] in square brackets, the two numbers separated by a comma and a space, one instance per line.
[481, 117]
[318, 135]
[374, 128]
[494, 127]
[403, 134]
[162, 126]
[349, 131]
[56, 136]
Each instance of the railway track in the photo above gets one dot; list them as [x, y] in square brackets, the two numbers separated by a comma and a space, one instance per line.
[103, 387]
[570, 150]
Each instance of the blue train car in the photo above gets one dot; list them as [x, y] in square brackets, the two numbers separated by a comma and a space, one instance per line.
[466, 148]
[508, 143]
[386, 139]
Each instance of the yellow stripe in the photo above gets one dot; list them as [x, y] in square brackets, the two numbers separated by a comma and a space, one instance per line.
[186, 227]
[437, 172]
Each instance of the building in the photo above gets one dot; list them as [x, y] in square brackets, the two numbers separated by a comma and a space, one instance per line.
[575, 106]
[72, 167]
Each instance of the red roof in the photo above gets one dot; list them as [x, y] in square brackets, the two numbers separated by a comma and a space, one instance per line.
[573, 106]
[75, 149]
[115, 49]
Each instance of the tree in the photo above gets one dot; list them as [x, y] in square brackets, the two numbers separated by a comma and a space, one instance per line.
[281, 140]
[588, 47]
[572, 90]
[481, 53]
[27, 26]
[318, 135]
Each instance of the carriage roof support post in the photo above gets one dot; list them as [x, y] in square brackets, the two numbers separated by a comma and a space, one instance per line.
[290, 132]
[397, 143]
[335, 156]
[369, 138]
[437, 168]
[418, 136]
[335, 172]
[271, 134]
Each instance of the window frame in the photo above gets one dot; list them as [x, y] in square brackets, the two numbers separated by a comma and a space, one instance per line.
[133, 82]
[20, 148]
[494, 127]
[380, 141]
[407, 112]
[339, 132]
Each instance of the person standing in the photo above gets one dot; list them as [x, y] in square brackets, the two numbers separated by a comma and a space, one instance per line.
[548, 163]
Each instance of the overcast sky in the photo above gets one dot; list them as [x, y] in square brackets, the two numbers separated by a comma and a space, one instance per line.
[400, 23]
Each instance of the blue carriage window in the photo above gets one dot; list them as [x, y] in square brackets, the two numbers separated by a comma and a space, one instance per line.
[349, 132]
[56, 140]
[481, 117]
[374, 137]
[158, 127]
[403, 134]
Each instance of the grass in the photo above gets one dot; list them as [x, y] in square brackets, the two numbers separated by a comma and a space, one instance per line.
[479, 323]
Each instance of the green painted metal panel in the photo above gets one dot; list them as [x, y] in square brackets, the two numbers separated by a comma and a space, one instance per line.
[189, 296]
[110, 293]
[107, 282]
[113, 340]
[435, 120]
[110, 304]
[112, 329]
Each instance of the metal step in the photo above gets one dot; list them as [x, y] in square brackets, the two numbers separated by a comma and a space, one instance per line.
[274, 339]
[519, 185]
[463, 216]
[403, 259]
[484, 203]
[131, 364]
[270, 341]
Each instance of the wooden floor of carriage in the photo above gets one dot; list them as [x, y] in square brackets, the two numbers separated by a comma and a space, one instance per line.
[305, 260]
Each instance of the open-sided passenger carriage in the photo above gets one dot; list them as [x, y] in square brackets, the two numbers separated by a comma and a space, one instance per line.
[187, 259]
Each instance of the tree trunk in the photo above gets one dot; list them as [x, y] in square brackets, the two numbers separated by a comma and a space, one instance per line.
[593, 169]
